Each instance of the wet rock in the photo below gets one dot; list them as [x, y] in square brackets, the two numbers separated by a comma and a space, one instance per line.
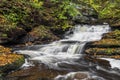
[37, 72]
[98, 61]
[74, 76]
[80, 76]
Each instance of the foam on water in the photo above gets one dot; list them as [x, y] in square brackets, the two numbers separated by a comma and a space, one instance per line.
[78, 76]
[27, 64]
[88, 33]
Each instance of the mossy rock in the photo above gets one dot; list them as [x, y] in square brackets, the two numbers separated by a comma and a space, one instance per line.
[42, 34]
[107, 47]
[101, 62]
[9, 61]
[112, 35]
[103, 51]
[116, 23]
[105, 43]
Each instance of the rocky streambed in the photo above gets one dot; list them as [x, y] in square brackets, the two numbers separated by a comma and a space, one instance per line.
[65, 59]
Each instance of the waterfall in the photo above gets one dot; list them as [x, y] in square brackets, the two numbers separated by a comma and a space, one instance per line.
[67, 50]
[65, 60]
[88, 33]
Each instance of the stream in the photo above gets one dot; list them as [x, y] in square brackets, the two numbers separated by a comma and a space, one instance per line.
[65, 59]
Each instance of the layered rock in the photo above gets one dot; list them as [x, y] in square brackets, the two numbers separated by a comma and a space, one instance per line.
[109, 46]
[106, 43]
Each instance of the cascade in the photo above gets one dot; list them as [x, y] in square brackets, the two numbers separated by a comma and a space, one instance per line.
[67, 55]
[69, 49]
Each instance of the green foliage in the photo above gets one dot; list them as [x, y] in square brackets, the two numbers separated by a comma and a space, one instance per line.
[66, 9]
[4, 35]
[113, 35]
[6, 26]
[117, 34]
[30, 13]
[14, 11]
[36, 3]
[108, 51]
[105, 9]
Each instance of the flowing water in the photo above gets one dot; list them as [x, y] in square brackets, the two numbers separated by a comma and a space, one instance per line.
[64, 59]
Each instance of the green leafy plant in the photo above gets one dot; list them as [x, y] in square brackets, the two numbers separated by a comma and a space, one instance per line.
[14, 11]
[66, 9]
[36, 3]
[105, 9]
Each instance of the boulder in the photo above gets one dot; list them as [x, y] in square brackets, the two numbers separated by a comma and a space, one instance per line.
[101, 62]
[15, 35]
[40, 34]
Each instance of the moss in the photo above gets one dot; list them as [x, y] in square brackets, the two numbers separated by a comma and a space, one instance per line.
[103, 51]
[113, 35]
[42, 33]
[106, 43]
[105, 9]
[17, 18]
[108, 47]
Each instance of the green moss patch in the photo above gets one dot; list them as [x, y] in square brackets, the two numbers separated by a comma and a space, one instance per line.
[112, 35]
[103, 51]
[106, 43]
[43, 34]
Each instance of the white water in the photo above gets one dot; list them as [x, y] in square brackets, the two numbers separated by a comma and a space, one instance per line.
[88, 33]
[71, 76]
[113, 62]
[67, 50]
